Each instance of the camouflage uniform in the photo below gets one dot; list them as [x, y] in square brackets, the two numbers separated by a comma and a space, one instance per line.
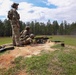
[26, 37]
[15, 25]
[28, 40]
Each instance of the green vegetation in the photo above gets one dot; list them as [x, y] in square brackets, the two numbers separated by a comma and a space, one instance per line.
[60, 62]
[40, 28]
[5, 40]
[69, 40]
[4, 52]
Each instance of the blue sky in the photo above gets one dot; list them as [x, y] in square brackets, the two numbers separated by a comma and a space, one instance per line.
[41, 10]
[39, 3]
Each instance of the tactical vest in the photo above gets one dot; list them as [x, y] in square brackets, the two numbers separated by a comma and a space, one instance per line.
[13, 15]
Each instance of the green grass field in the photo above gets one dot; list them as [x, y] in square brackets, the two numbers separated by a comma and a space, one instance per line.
[62, 61]
[69, 40]
[5, 40]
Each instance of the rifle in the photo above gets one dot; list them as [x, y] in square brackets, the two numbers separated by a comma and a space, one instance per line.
[41, 40]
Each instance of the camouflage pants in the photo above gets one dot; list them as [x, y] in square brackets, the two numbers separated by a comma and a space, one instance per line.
[27, 41]
[15, 35]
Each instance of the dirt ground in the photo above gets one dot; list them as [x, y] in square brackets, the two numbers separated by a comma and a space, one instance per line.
[26, 51]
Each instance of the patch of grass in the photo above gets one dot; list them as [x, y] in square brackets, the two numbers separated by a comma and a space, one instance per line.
[58, 47]
[18, 66]
[11, 71]
[4, 52]
[38, 65]
[69, 40]
[18, 60]
[58, 62]
[5, 40]
[68, 62]
[67, 59]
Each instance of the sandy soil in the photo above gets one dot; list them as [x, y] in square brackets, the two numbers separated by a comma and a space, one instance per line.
[26, 51]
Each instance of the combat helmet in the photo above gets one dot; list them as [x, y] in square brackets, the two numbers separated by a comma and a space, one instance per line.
[27, 27]
[14, 5]
[32, 36]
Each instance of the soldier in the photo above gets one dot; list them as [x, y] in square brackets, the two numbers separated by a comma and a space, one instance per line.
[25, 33]
[28, 40]
[26, 37]
[14, 17]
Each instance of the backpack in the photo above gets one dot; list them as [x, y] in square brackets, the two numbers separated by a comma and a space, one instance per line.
[10, 15]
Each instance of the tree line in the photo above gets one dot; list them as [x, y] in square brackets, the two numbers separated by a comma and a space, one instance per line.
[40, 28]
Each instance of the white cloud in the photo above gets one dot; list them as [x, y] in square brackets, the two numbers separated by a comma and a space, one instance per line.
[47, 3]
[26, 14]
[65, 10]
[61, 3]
[4, 7]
